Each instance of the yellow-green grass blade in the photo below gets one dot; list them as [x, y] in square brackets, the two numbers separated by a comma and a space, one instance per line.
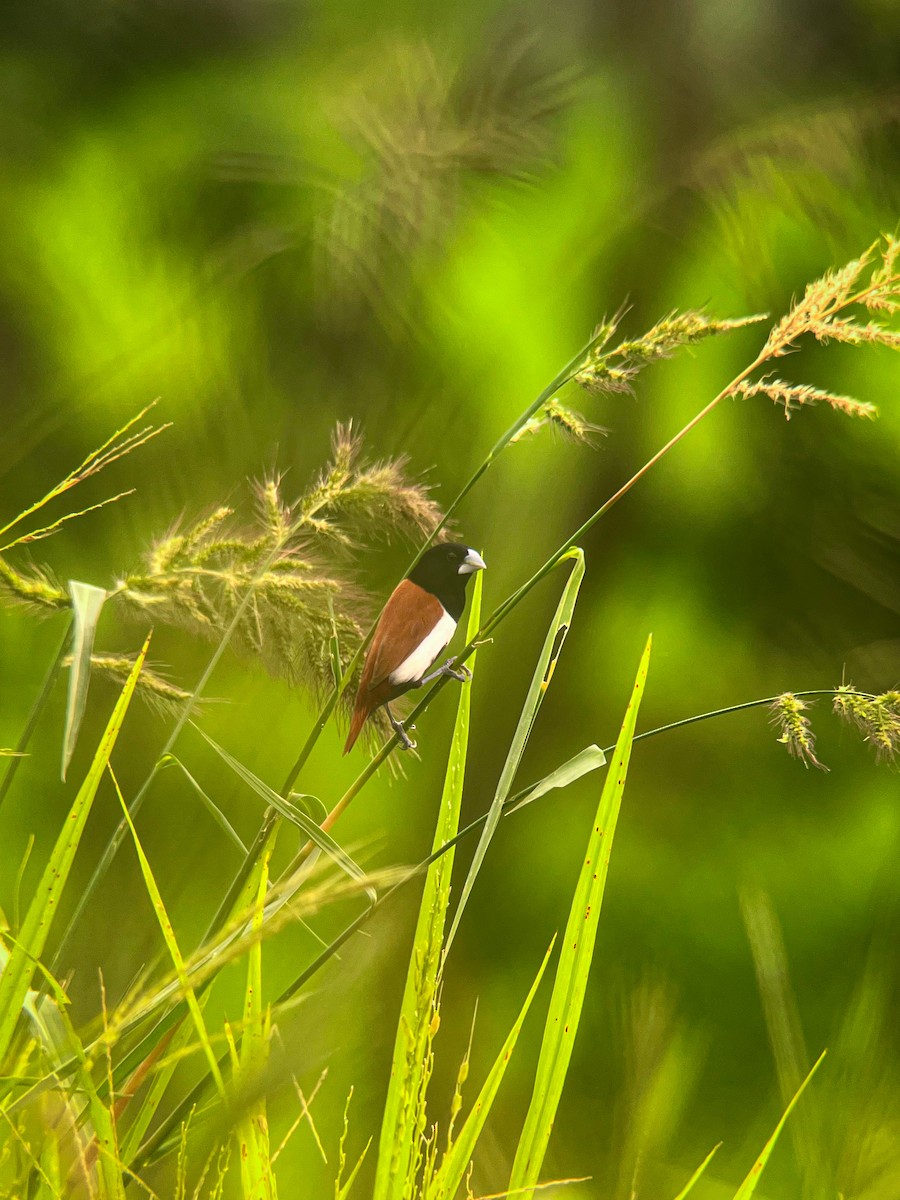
[172, 946]
[16, 979]
[575, 959]
[688, 1187]
[591, 758]
[87, 601]
[294, 814]
[455, 1162]
[748, 1187]
[404, 1106]
[257, 1175]
[546, 665]
[212, 808]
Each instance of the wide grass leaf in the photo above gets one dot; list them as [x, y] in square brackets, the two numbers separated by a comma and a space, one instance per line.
[575, 959]
[404, 1111]
[29, 947]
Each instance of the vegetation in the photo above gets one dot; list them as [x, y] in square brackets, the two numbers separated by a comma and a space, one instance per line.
[599, 936]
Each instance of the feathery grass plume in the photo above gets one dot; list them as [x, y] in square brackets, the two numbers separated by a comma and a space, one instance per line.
[196, 576]
[571, 424]
[793, 396]
[614, 370]
[795, 730]
[418, 129]
[876, 717]
[817, 311]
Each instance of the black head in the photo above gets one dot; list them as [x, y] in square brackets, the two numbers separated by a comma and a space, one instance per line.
[444, 570]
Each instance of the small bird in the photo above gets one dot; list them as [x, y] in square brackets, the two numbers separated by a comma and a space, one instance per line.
[418, 621]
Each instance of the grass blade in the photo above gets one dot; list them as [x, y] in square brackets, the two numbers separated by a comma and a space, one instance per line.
[459, 1155]
[172, 946]
[405, 1103]
[16, 979]
[748, 1187]
[297, 817]
[591, 758]
[257, 1175]
[212, 808]
[688, 1187]
[575, 959]
[87, 601]
[546, 665]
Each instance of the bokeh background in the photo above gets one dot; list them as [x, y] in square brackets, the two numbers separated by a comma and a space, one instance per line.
[278, 215]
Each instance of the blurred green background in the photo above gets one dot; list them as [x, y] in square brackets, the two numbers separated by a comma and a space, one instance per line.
[276, 216]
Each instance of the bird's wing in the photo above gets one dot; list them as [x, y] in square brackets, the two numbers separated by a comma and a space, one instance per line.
[409, 617]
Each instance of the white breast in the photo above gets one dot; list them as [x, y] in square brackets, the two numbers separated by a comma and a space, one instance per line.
[416, 664]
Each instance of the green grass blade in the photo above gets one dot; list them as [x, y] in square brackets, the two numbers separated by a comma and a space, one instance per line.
[748, 1187]
[575, 959]
[404, 1105]
[688, 1187]
[212, 808]
[587, 760]
[546, 665]
[172, 946]
[35, 714]
[257, 1175]
[87, 601]
[16, 979]
[456, 1160]
[293, 814]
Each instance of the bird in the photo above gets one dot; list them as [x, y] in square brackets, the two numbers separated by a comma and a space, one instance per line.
[418, 621]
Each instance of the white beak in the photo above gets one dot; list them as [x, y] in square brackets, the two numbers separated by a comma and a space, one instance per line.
[472, 562]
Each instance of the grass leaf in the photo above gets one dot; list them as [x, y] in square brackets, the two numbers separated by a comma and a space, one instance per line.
[591, 758]
[405, 1103]
[748, 1187]
[16, 979]
[87, 601]
[688, 1187]
[294, 814]
[172, 946]
[575, 959]
[546, 665]
[453, 1166]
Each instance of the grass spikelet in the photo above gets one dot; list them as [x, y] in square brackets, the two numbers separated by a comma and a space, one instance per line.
[793, 396]
[876, 717]
[795, 731]
[35, 589]
[567, 421]
[614, 370]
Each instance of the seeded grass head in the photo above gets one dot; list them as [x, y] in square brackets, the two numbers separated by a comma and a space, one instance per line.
[307, 611]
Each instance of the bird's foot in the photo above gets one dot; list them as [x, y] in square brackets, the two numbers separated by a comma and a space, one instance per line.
[406, 742]
[461, 674]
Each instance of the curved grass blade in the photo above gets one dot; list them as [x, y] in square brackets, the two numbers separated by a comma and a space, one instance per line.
[87, 601]
[404, 1111]
[212, 808]
[546, 665]
[591, 758]
[748, 1187]
[16, 979]
[575, 959]
[168, 933]
[688, 1187]
[323, 840]
[453, 1166]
